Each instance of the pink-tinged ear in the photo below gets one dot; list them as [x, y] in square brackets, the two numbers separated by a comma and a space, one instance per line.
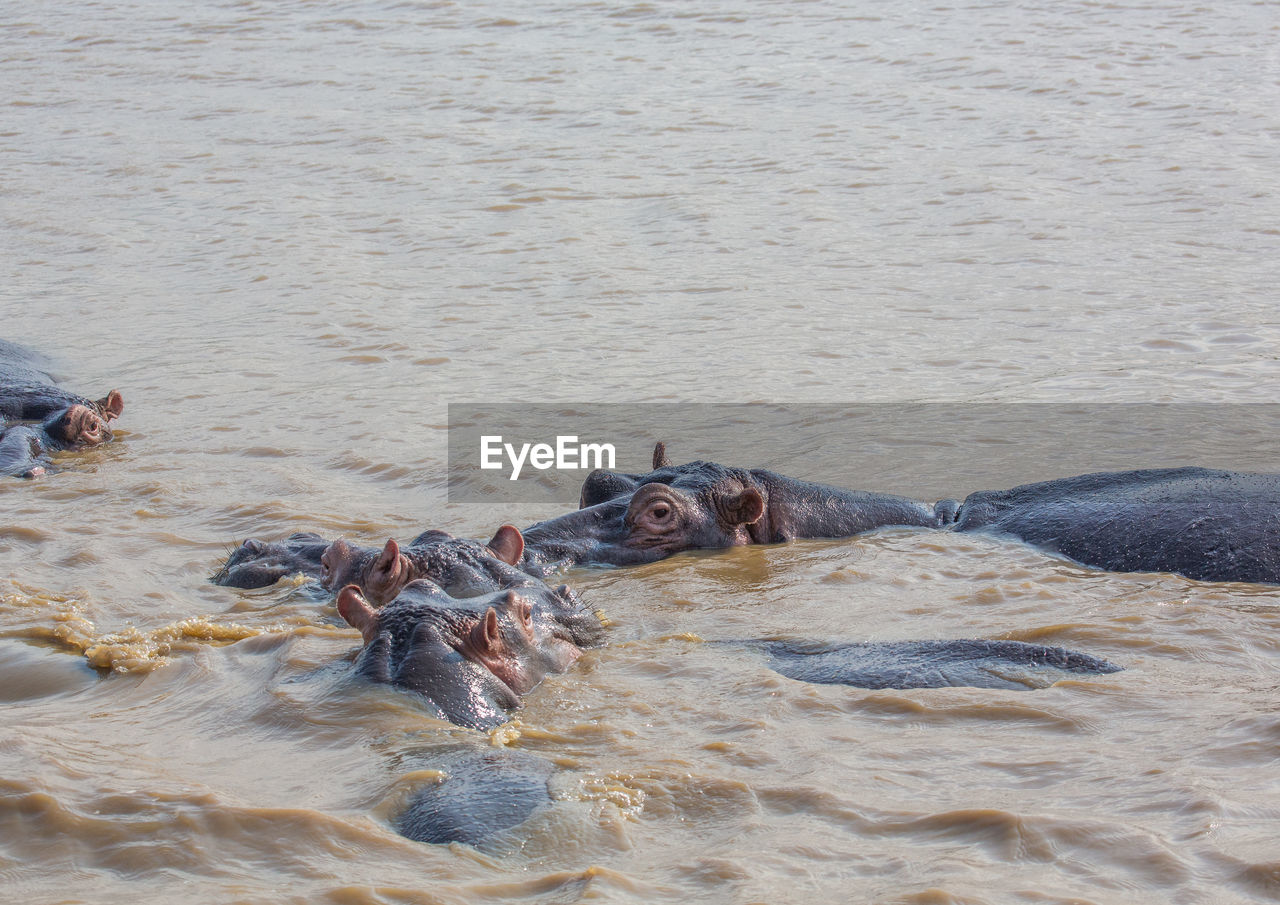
[508, 545]
[660, 459]
[742, 508]
[356, 610]
[490, 637]
[390, 556]
[111, 405]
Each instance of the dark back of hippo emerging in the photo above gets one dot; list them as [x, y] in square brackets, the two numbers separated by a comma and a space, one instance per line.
[1205, 524]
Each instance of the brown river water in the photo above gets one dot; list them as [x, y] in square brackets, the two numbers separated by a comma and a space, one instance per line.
[291, 233]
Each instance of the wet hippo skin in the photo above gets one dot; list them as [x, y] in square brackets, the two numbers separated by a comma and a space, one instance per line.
[460, 565]
[929, 664]
[626, 519]
[480, 795]
[257, 564]
[1205, 524]
[470, 658]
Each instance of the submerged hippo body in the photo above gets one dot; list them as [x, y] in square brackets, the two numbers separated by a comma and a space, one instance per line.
[480, 795]
[930, 664]
[637, 518]
[1202, 523]
[470, 658]
[38, 418]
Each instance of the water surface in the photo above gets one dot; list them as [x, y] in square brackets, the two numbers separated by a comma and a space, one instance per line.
[291, 233]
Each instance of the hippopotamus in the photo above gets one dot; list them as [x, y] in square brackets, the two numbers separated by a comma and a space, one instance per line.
[470, 658]
[1202, 523]
[61, 420]
[1205, 524]
[625, 519]
[461, 566]
[928, 664]
[257, 564]
[480, 795]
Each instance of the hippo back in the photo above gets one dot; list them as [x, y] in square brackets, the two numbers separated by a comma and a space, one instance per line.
[1203, 523]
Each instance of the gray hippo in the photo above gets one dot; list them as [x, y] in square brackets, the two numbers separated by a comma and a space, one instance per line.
[1013, 665]
[460, 565]
[481, 794]
[37, 418]
[257, 563]
[626, 519]
[470, 658]
[1204, 524]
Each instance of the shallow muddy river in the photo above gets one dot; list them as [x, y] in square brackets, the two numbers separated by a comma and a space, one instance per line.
[292, 233]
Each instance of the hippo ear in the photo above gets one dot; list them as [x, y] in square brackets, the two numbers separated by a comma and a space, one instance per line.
[660, 459]
[111, 405]
[389, 556]
[508, 545]
[356, 610]
[742, 508]
[489, 635]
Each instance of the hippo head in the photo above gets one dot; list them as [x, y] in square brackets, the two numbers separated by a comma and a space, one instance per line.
[436, 555]
[471, 657]
[77, 427]
[508, 642]
[628, 518]
[257, 564]
[641, 517]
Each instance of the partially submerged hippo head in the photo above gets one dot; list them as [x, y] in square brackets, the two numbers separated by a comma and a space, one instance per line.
[637, 518]
[459, 565]
[77, 427]
[471, 658]
[257, 564]
[65, 422]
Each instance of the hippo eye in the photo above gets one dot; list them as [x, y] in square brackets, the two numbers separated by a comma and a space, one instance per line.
[661, 511]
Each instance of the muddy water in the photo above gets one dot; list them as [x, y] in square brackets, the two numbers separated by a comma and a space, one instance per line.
[291, 233]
